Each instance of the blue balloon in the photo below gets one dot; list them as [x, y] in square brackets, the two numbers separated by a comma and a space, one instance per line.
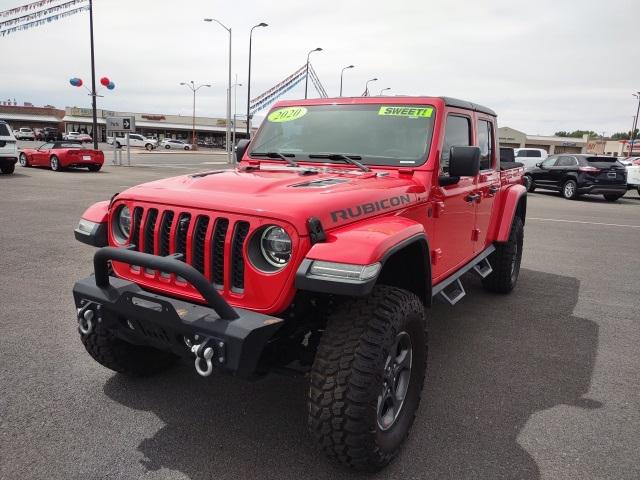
[111, 86]
[73, 81]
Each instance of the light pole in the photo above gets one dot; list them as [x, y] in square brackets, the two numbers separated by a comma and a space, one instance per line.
[635, 125]
[228, 136]
[235, 108]
[341, 74]
[262, 24]
[192, 86]
[366, 88]
[93, 81]
[384, 90]
[306, 77]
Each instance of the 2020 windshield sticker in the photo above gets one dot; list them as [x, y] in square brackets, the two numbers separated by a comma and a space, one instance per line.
[287, 114]
[410, 111]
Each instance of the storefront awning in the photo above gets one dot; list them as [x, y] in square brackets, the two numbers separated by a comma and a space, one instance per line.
[87, 120]
[23, 117]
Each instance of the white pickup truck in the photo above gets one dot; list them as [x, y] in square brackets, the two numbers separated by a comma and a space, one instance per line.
[135, 140]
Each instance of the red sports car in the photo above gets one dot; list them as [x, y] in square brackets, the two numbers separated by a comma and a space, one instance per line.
[62, 154]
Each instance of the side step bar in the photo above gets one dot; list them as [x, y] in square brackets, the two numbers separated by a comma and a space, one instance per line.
[451, 290]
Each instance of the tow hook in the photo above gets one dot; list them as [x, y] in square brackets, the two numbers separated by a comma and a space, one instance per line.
[205, 353]
[86, 317]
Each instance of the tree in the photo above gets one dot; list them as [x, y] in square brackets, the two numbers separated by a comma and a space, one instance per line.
[624, 135]
[577, 134]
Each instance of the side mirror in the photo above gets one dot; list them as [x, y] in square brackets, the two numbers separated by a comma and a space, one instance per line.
[539, 164]
[241, 148]
[464, 161]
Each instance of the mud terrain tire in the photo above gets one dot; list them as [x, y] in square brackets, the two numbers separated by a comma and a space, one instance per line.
[506, 260]
[349, 379]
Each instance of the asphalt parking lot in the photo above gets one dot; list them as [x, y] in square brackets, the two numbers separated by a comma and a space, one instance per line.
[543, 383]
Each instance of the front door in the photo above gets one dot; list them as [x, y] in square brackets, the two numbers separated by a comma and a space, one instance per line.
[488, 184]
[543, 175]
[455, 206]
[41, 157]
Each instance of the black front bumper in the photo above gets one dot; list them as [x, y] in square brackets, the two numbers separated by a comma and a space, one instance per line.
[236, 336]
[6, 161]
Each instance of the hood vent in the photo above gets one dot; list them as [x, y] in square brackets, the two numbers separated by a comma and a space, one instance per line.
[205, 174]
[326, 182]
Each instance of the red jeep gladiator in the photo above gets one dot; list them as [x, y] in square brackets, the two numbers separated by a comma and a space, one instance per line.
[319, 253]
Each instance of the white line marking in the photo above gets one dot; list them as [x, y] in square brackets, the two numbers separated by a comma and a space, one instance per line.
[586, 223]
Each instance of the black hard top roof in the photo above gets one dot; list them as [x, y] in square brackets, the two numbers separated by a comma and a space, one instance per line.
[456, 102]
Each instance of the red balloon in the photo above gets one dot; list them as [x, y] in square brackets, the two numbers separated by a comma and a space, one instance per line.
[78, 82]
[104, 81]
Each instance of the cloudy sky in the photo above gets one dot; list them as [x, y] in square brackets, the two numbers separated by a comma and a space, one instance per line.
[543, 66]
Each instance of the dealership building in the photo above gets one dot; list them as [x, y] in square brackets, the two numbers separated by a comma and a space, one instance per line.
[160, 126]
[510, 137]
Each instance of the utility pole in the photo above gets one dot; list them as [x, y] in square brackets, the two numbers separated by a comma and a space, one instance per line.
[93, 81]
[635, 126]
[235, 108]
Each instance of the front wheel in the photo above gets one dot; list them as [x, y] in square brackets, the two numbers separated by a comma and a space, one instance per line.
[120, 356]
[167, 147]
[505, 261]
[570, 190]
[55, 164]
[24, 161]
[529, 184]
[149, 147]
[367, 377]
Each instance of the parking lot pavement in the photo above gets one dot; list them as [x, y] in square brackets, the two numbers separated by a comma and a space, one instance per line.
[542, 383]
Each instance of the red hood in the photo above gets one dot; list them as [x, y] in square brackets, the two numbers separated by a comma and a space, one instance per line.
[285, 194]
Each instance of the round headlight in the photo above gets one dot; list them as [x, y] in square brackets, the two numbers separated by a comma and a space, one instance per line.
[275, 245]
[123, 222]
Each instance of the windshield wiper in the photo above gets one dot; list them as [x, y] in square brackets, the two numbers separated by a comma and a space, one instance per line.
[352, 159]
[283, 156]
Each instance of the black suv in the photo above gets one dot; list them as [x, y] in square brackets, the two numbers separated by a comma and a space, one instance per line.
[575, 174]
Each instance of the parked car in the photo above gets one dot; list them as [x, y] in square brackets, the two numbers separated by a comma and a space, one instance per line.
[24, 133]
[135, 140]
[71, 136]
[169, 143]
[62, 154]
[327, 258]
[632, 164]
[577, 174]
[48, 134]
[85, 138]
[529, 157]
[8, 149]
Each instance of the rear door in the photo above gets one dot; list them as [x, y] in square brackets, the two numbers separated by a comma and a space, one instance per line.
[488, 182]
[456, 214]
[564, 166]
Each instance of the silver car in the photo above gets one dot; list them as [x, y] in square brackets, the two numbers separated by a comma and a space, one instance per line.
[169, 143]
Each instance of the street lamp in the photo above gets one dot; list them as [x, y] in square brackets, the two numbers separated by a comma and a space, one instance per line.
[235, 108]
[228, 136]
[262, 24]
[341, 74]
[384, 90]
[192, 86]
[635, 125]
[306, 78]
[366, 88]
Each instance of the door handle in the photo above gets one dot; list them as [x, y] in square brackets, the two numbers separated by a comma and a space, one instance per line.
[473, 197]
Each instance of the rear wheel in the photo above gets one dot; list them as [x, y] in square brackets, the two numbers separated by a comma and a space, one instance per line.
[529, 183]
[186, 147]
[8, 169]
[612, 197]
[24, 161]
[94, 168]
[148, 146]
[123, 357]
[167, 147]
[506, 260]
[367, 377]
[55, 164]
[570, 190]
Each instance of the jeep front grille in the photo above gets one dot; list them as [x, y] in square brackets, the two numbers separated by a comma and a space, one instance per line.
[204, 240]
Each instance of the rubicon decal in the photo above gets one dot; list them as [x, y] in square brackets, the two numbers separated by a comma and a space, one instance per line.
[370, 207]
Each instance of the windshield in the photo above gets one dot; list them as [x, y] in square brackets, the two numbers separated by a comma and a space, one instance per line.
[377, 134]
